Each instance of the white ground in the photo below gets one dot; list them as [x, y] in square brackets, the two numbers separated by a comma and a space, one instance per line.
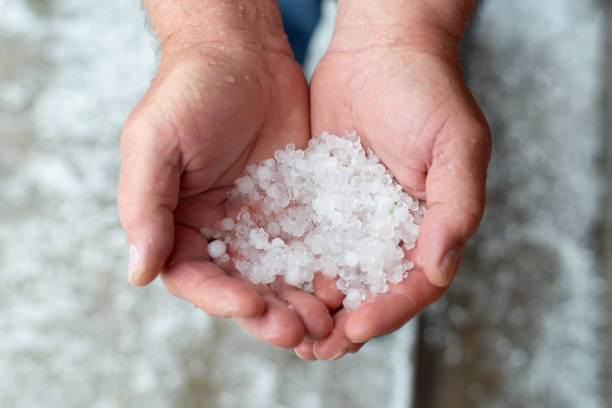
[523, 325]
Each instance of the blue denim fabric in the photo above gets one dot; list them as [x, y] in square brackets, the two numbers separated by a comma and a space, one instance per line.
[300, 18]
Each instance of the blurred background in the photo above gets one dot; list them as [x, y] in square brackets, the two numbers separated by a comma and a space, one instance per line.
[524, 324]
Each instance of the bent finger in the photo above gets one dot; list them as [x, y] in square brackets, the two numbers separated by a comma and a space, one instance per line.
[337, 344]
[148, 193]
[315, 316]
[278, 325]
[191, 276]
[305, 350]
[455, 189]
[389, 311]
[325, 289]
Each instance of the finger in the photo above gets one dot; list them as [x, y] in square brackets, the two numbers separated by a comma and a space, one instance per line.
[304, 350]
[206, 286]
[455, 189]
[148, 193]
[278, 325]
[189, 245]
[191, 276]
[389, 311]
[337, 344]
[325, 289]
[314, 314]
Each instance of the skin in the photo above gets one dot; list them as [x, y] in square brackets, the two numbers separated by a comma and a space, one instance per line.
[214, 107]
[229, 93]
[401, 88]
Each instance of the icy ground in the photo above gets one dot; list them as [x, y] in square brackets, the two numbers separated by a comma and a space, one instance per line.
[73, 333]
[522, 325]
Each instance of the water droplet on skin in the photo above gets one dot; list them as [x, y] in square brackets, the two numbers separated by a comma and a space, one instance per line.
[247, 77]
[230, 79]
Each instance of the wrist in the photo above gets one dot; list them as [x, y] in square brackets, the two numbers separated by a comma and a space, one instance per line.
[434, 24]
[184, 23]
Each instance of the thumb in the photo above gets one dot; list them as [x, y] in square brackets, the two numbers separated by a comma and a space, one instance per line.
[455, 189]
[148, 192]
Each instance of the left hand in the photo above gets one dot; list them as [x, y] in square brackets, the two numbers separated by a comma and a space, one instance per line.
[410, 105]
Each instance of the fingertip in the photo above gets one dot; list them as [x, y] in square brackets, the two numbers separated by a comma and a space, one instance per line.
[448, 266]
[146, 261]
[456, 191]
[385, 313]
[304, 350]
[336, 344]
[356, 333]
[314, 314]
[325, 289]
[440, 257]
[147, 196]
[134, 266]
[441, 243]
[278, 325]
[434, 274]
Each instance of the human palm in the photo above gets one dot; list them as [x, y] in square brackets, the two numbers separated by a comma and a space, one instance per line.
[211, 110]
[412, 108]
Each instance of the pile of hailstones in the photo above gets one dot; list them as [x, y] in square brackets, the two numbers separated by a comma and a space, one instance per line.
[332, 208]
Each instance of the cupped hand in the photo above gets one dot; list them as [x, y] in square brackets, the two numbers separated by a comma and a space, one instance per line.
[212, 109]
[410, 105]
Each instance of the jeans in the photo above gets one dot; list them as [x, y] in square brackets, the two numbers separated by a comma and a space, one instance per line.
[300, 17]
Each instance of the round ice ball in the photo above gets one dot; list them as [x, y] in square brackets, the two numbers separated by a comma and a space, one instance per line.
[245, 185]
[216, 248]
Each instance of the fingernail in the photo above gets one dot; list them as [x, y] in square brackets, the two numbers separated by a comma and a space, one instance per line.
[450, 264]
[337, 355]
[133, 264]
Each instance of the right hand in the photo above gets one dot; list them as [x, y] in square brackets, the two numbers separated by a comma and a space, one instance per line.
[213, 108]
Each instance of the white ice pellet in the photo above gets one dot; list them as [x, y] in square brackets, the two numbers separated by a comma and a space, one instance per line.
[259, 238]
[352, 299]
[245, 185]
[263, 173]
[227, 224]
[331, 208]
[293, 277]
[351, 259]
[216, 248]
[273, 229]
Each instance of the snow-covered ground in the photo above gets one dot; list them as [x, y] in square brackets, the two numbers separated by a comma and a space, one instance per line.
[73, 333]
[522, 325]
